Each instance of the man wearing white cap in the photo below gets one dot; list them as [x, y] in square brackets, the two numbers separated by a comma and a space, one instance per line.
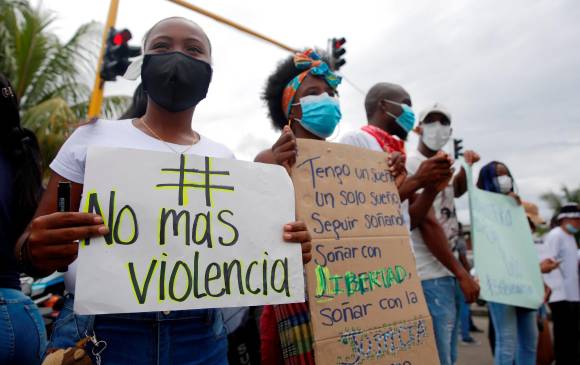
[442, 276]
[563, 248]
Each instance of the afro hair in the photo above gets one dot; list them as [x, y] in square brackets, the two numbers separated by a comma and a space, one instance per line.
[277, 82]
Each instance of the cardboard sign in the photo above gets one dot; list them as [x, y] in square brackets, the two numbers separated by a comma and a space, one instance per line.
[187, 232]
[365, 298]
[506, 261]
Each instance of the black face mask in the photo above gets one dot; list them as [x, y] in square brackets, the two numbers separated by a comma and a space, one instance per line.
[175, 81]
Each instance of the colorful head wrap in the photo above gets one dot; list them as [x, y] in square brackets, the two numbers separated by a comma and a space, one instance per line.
[311, 62]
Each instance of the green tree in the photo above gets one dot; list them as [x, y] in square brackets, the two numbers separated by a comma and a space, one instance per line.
[51, 77]
[556, 200]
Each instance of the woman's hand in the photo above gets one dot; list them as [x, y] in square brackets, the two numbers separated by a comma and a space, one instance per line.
[52, 240]
[284, 150]
[396, 163]
[298, 233]
[471, 157]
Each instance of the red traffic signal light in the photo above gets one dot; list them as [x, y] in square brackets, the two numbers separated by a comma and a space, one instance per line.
[339, 42]
[337, 52]
[122, 37]
[117, 54]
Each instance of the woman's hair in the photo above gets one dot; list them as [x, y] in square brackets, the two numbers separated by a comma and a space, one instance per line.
[277, 82]
[20, 148]
[138, 104]
[487, 179]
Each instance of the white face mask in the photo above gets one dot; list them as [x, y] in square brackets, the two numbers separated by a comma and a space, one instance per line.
[435, 135]
[505, 184]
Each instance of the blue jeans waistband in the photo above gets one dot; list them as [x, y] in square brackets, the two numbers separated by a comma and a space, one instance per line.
[13, 296]
[205, 315]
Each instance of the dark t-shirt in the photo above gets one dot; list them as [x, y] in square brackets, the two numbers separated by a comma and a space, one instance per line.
[9, 276]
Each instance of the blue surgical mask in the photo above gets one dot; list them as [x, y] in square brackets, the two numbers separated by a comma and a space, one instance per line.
[407, 118]
[320, 114]
[570, 228]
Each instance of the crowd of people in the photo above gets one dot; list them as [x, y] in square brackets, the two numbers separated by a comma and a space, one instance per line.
[301, 96]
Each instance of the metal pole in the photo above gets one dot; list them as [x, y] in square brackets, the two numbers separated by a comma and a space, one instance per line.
[232, 24]
[98, 88]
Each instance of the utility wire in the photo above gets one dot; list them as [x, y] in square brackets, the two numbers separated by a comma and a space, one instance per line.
[354, 86]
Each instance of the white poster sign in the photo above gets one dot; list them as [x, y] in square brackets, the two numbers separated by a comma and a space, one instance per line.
[186, 232]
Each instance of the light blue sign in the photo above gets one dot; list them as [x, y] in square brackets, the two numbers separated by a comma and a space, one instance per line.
[506, 261]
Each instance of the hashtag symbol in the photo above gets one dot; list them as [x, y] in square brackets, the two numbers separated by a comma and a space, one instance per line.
[182, 184]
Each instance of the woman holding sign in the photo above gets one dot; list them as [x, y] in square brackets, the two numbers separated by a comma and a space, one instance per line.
[176, 72]
[516, 332]
[302, 100]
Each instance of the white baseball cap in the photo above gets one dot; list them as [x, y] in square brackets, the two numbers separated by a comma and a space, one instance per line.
[434, 108]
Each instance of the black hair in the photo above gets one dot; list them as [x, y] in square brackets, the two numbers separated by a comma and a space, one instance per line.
[148, 33]
[275, 85]
[20, 148]
[138, 104]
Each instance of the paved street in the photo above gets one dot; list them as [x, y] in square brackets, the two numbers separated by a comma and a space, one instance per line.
[476, 354]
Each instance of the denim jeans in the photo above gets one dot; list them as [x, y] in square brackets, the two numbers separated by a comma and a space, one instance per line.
[179, 337]
[516, 334]
[443, 302]
[22, 332]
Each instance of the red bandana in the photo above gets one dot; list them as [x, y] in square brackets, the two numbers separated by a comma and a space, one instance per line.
[387, 142]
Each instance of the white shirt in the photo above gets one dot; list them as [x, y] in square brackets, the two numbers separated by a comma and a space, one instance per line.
[362, 139]
[70, 160]
[562, 246]
[554, 278]
[428, 267]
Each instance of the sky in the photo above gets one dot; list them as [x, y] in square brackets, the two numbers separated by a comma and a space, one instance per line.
[509, 72]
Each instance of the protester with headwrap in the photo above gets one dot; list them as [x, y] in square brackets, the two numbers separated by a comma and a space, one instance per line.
[303, 102]
[515, 329]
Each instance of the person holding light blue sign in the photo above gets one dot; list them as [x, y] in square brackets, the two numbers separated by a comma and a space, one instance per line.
[516, 332]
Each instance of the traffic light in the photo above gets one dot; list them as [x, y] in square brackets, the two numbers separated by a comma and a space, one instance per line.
[117, 54]
[337, 52]
[457, 148]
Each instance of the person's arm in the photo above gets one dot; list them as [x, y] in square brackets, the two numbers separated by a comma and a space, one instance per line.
[283, 151]
[464, 261]
[410, 186]
[437, 243]
[460, 180]
[548, 265]
[438, 171]
[50, 242]
[460, 183]
[420, 204]
[266, 156]
[432, 171]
